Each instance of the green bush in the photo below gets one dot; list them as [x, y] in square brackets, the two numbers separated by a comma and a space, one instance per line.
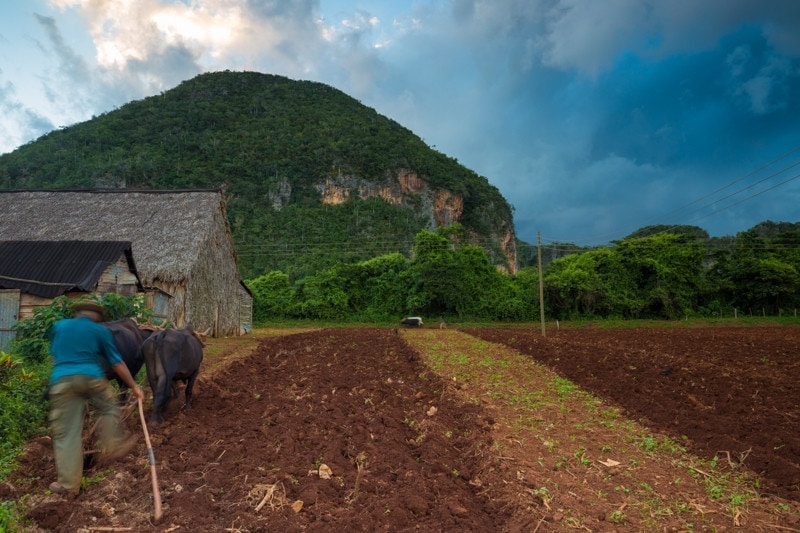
[8, 517]
[272, 296]
[33, 333]
[119, 306]
[24, 411]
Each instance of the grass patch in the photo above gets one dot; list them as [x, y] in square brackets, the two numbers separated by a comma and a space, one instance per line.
[584, 447]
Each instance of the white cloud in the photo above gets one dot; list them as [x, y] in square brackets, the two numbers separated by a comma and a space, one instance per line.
[18, 121]
[134, 30]
[588, 36]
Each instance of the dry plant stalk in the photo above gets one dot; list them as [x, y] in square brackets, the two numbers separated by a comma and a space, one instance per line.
[274, 495]
[361, 463]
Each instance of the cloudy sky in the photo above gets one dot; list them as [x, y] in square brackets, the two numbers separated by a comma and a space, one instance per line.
[593, 118]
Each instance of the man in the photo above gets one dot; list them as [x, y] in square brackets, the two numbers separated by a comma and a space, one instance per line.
[76, 345]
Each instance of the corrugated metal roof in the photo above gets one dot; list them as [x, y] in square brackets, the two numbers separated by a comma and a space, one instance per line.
[51, 268]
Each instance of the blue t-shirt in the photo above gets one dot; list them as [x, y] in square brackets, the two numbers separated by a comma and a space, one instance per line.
[77, 344]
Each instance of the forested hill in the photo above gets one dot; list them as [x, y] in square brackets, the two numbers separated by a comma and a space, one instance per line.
[311, 175]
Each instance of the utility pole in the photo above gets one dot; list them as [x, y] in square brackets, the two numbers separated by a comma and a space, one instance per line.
[541, 279]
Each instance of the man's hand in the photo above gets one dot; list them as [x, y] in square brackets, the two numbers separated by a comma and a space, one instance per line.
[138, 392]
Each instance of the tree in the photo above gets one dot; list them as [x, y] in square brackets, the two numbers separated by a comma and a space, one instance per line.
[764, 284]
[272, 296]
[377, 290]
[323, 295]
[592, 284]
[429, 277]
[478, 285]
[667, 269]
[762, 270]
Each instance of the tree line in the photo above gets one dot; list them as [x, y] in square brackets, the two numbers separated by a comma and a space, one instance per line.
[657, 276]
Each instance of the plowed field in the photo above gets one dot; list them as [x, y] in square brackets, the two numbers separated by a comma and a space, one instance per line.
[492, 429]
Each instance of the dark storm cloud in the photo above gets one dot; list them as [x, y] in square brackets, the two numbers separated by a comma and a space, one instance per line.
[698, 109]
[609, 116]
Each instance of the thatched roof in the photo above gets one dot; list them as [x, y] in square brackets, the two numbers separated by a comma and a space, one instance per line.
[165, 227]
[52, 268]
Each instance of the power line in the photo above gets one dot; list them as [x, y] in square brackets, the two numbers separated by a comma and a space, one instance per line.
[721, 189]
[666, 230]
[749, 197]
[731, 184]
[296, 246]
[525, 250]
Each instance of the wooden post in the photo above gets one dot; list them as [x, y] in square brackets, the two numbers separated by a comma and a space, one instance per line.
[541, 280]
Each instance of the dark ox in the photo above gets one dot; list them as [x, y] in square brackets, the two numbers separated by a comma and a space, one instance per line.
[411, 322]
[128, 339]
[171, 355]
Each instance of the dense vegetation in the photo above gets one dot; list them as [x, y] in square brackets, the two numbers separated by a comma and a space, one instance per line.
[670, 273]
[269, 142]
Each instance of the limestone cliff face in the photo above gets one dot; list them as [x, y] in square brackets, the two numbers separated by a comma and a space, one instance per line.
[410, 181]
[280, 195]
[447, 207]
[441, 207]
[508, 244]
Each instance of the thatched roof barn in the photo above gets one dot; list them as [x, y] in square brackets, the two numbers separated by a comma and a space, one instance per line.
[181, 244]
[32, 273]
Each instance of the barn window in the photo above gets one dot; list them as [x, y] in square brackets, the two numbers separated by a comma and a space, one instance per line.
[158, 301]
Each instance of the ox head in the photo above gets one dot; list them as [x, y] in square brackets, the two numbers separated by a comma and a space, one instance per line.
[201, 336]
